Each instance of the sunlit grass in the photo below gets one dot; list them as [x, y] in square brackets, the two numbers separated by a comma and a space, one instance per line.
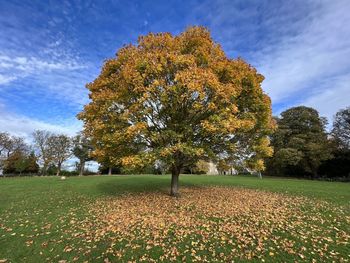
[47, 219]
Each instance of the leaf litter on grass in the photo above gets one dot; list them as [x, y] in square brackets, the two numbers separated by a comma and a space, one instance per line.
[216, 224]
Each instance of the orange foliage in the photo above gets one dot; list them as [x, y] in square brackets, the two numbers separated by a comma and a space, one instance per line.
[177, 99]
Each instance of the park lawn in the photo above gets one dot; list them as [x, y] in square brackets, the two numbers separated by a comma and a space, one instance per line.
[217, 218]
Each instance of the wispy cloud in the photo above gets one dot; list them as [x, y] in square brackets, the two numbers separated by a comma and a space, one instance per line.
[332, 95]
[300, 64]
[32, 64]
[301, 47]
[24, 126]
[19, 67]
[49, 51]
[4, 79]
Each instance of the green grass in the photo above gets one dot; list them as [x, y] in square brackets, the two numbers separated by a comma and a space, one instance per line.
[28, 205]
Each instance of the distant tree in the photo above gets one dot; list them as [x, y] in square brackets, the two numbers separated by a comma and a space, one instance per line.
[17, 144]
[51, 169]
[4, 143]
[177, 99]
[339, 166]
[106, 164]
[161, 167]
[201, 167]
[107, 169]
[223, 166]
[341, 128]
[19, 162]
[32, 164]
[14, 163]
[44, 148]
[300, 141]
[61, 147]
[13, 151]
[82, 149]
[10, 144]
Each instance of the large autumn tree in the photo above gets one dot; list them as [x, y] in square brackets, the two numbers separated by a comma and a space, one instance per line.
[177, 99]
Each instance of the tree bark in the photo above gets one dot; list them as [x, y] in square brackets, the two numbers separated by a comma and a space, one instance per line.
[58, 169]
[44, 171]
[82, 166]
[110, 170]
[175, 172]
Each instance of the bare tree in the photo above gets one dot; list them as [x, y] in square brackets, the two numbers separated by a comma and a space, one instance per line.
[61, 147]
[17, 144]
[44, 148]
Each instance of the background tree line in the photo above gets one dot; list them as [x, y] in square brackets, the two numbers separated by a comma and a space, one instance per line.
[45, 156]
[304, 148]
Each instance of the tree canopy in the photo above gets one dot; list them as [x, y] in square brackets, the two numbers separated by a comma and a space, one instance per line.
[61, 146]
[341, 128]
[300, 142]
[177, 99]
[20, 162]
[44, 148]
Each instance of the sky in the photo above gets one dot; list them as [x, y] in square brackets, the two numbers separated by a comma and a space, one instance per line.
[49, 51]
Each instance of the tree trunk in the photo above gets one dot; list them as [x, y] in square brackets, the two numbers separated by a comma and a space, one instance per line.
[82, 166]
[175, 172]
[44, 171]
[110, 170]
[58, 169]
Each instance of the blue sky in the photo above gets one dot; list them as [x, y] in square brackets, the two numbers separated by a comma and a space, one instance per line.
[49, 50]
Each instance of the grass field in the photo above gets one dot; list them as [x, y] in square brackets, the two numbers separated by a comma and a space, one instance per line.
[131, 218]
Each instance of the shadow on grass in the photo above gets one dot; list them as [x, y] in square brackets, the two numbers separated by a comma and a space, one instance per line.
[139, 184]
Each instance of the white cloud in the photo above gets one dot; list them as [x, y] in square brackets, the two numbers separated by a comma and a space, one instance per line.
[6, 79]
[32, 64]
[312, 66]
[334, 95]
[24, 126]
[301, 47]
[58, 79]
[15, 67]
